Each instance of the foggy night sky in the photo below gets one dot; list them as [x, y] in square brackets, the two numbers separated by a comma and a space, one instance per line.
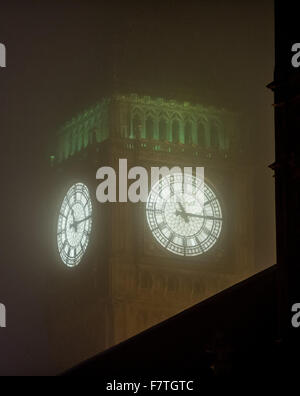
[59, 56]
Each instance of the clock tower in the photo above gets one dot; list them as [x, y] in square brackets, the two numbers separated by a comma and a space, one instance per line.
[128, 278]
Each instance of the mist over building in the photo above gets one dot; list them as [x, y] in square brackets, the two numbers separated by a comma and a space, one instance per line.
[162, 84]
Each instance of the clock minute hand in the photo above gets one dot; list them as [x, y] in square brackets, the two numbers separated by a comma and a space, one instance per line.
[75, 223]
[81, 221]
[202, 216]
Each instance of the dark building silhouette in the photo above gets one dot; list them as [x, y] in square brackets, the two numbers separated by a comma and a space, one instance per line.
[286, 86]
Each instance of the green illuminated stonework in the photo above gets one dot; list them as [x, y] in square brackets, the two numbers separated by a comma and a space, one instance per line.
[87, 128]
[155, 123]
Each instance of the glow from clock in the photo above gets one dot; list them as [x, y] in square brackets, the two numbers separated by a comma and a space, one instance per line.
[184, 220]
[74, 225]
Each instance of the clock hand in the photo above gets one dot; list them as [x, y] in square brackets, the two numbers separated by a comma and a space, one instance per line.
[182, 213]
[203, 217]
[181, 207]
[73, 215]
[76, 222]
[81, 221]
[200, 216]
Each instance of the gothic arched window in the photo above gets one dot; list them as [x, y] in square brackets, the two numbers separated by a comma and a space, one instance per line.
[149, 128]
[201, 135]
[175, 131]
[214, 136]
[163, 130]
[188, 138]
[137, 126]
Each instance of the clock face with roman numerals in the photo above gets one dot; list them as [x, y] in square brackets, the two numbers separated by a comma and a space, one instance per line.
[74, 225]
[184, 215]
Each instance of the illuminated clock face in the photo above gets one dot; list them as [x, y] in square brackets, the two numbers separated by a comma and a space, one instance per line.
[184, 215]
[74, 225]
